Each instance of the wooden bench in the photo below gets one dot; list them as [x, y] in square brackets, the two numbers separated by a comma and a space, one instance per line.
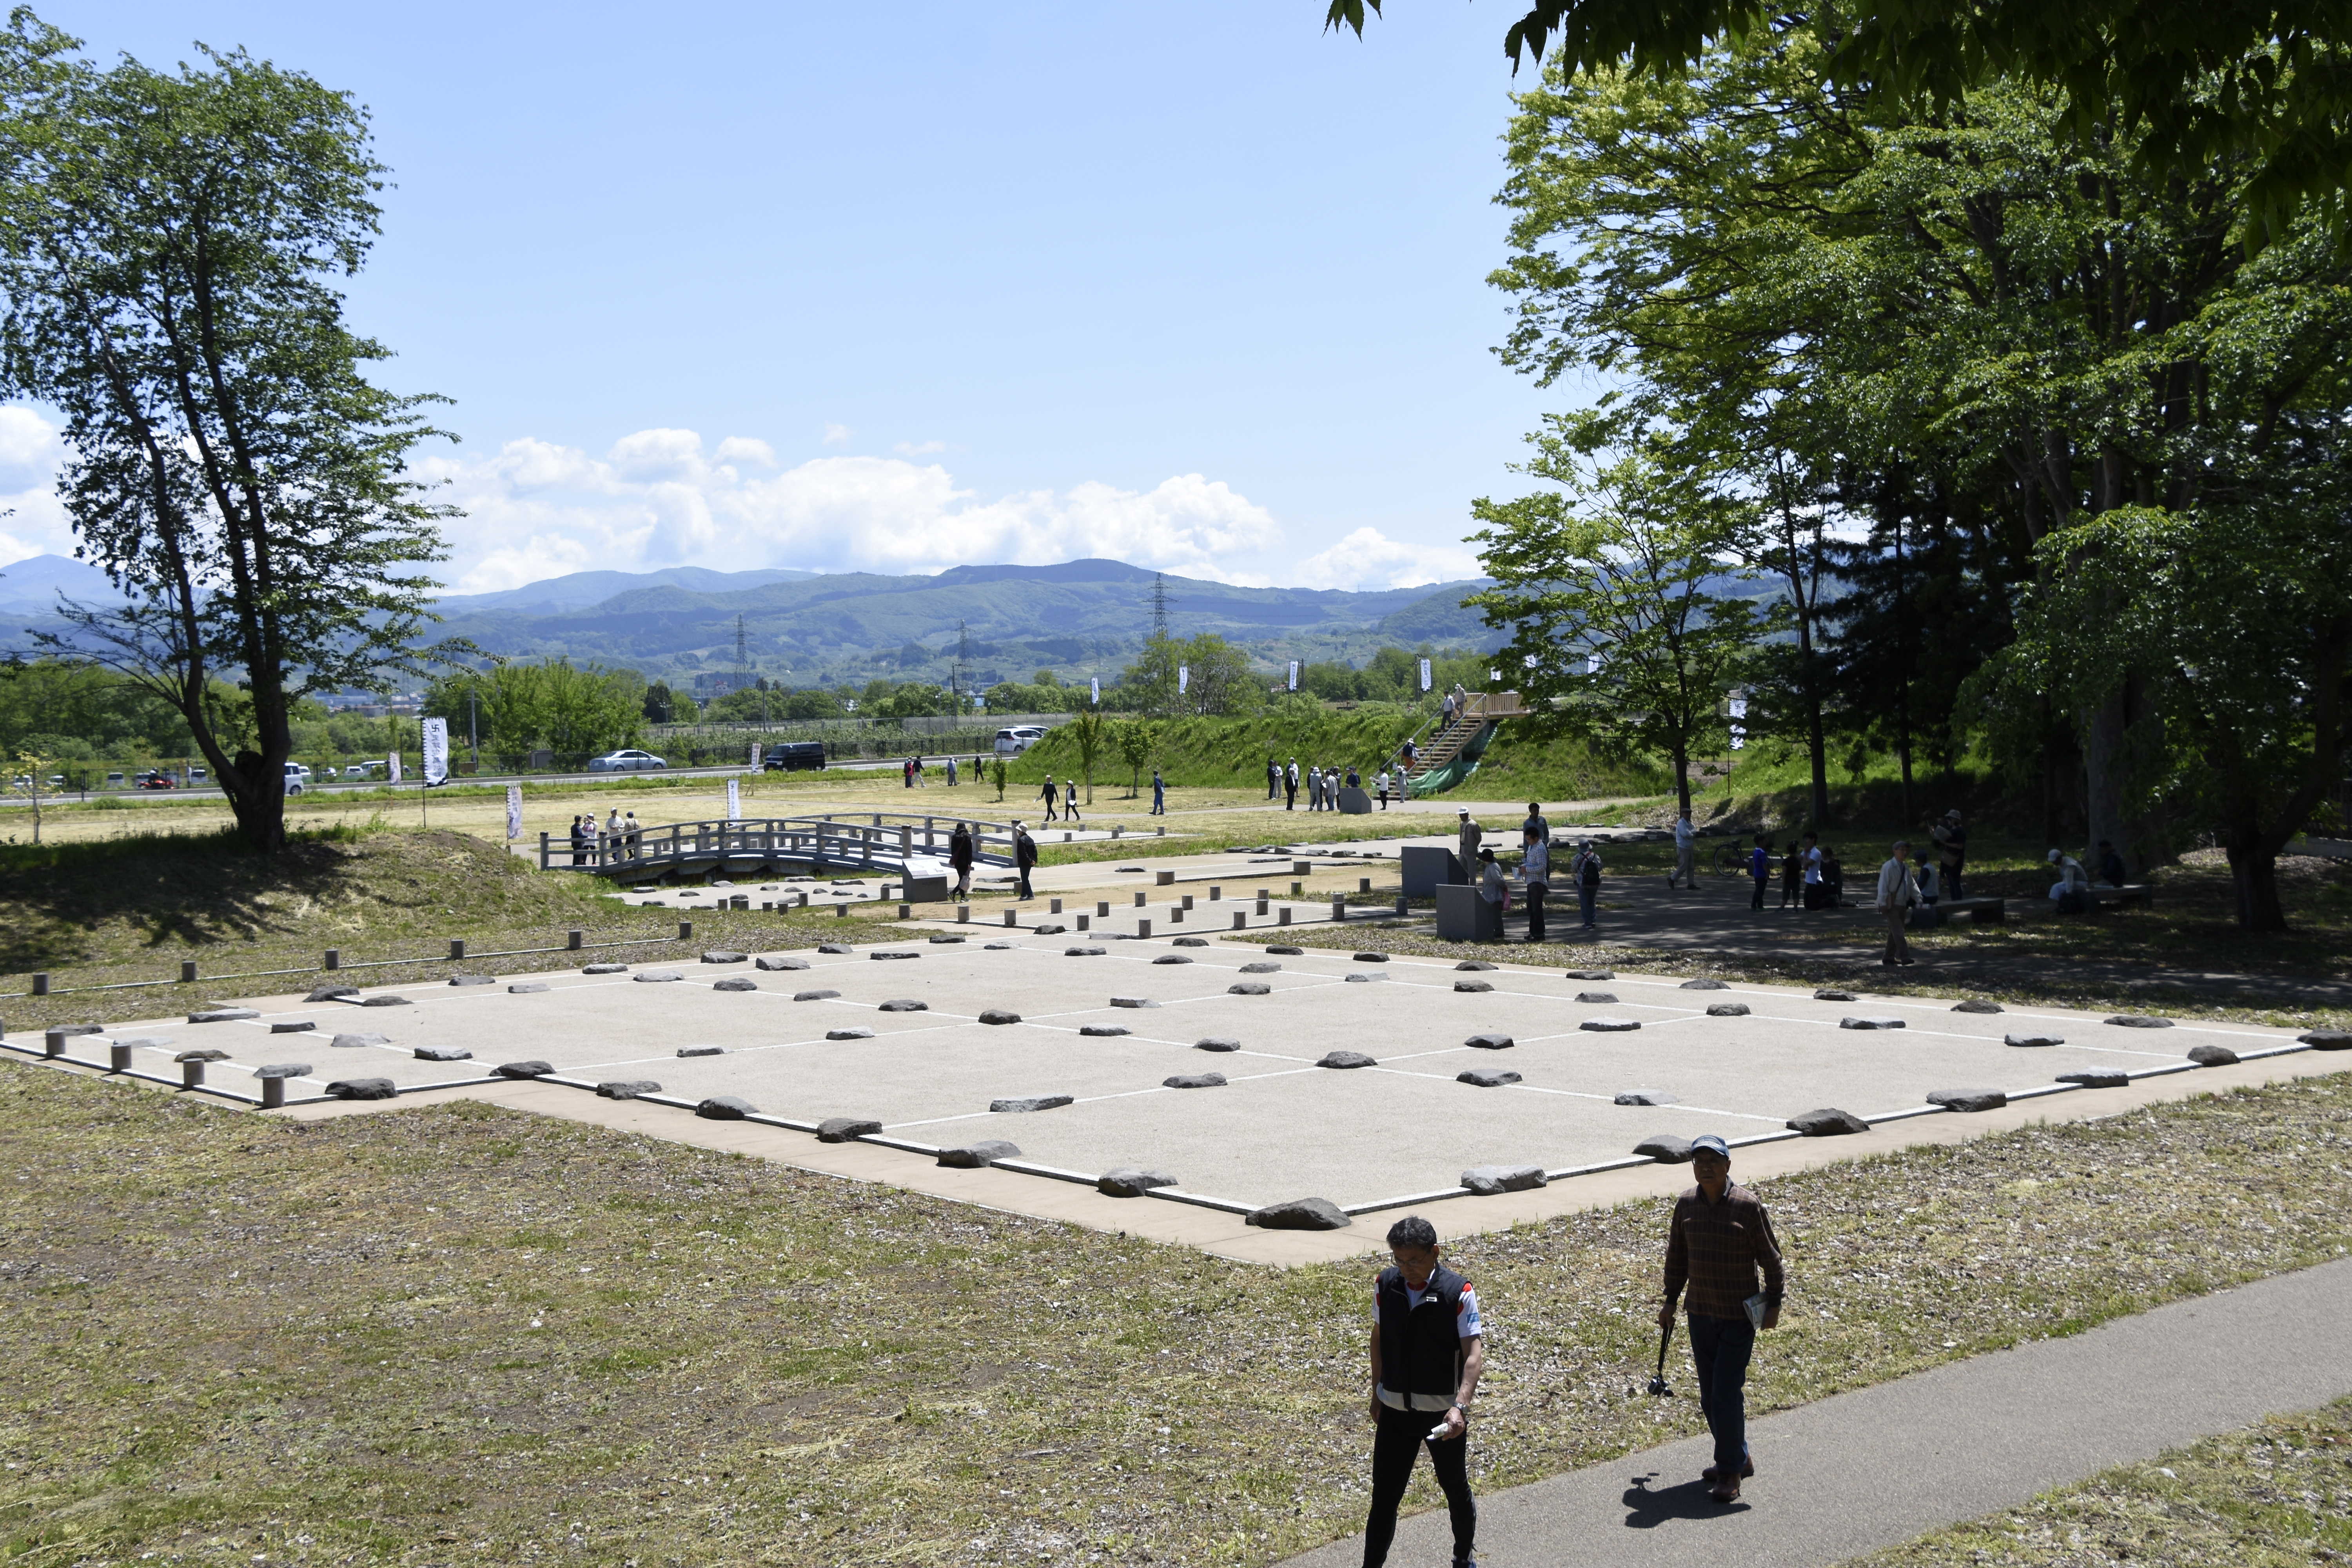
[1980, 911]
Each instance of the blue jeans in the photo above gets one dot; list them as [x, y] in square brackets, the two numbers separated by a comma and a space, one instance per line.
[1719, 1351]
[1585, 898]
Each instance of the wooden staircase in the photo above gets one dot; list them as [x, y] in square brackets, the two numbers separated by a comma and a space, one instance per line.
[1482, 711]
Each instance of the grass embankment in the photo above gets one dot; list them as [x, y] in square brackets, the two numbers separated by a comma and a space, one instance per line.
[1232, 754]
[462, 1334]
[132, 909]
[2277, 1495]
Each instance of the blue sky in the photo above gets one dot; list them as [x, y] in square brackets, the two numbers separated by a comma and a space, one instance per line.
[899, 287]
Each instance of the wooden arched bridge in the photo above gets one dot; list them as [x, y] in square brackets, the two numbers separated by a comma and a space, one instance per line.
[895, 844]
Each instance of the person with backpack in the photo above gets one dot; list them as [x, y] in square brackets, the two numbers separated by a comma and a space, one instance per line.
[1760, 871]
[1428, 1350]
[960, 858]
[1585, 872]
[1535, 865]
[1024, 858]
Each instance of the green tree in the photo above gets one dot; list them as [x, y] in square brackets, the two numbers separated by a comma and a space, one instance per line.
[1604, 585]
[1089, 731]
[996, 773]
[1134, 739]
[167, 244]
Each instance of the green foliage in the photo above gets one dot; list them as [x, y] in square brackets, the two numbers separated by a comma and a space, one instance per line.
[522, 707]
[1133, 738]
[1046, 696]
[1215, 676]
[1088, 732]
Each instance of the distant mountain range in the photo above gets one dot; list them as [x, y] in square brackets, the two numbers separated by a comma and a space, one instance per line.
[803, 628]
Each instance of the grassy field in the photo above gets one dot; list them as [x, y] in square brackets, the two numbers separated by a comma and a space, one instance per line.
[457, 1335]
[2277, 1495]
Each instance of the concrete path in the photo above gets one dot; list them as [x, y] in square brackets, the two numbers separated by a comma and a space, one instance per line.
[1870, 1469]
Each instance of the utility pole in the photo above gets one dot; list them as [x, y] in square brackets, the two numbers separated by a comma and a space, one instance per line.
[1159, 602]
[743, 656]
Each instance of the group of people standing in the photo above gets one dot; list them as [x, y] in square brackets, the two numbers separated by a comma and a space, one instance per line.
[911, 772]
[1323, 784]
[618, 839]
[1536, 870]
[1723, 1275]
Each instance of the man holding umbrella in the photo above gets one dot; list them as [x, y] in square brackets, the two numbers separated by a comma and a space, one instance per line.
[1719, 1238]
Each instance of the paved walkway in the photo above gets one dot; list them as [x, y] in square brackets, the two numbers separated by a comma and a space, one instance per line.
[1870, 1469]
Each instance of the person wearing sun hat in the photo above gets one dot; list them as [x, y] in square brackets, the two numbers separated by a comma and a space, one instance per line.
[1719, 1239]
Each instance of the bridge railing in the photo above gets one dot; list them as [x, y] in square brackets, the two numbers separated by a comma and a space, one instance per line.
[886, 838]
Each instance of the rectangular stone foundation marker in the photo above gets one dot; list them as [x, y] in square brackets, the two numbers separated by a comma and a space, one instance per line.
[841, 912]
[1339, 911]
[1102, 908]
[963, 914]
[1241, 919]
[188, 972]
[1188, 900]
[1054, 907]
[40, 985]
[1012, 917]
[1176, 916]
[119, 1056]
[1139, 898]
[334, 958]
[457, 947]
[572, 941]
[906, 911]
[1284, 919]
[1142, 928]
[1086, 921]
[1363, 884]
[684, 931]
[1261, 906]
[1216, 894]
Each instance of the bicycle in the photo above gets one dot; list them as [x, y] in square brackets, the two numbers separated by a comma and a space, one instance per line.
[1731, 859]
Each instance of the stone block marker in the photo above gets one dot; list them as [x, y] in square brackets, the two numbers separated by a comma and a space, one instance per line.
[725, 1107]
[283, 1069]
[206, 1055]
[1851, 1021]
[1832, 994]
[1827, 1123]
[853, 1032]
[526, 987]
[1968, 1099]
[772, 961]
[1704, 985]
[1194, 1080]
[2138, 1021]
[1287, 953]
[1261, 968]
[1976, 1004]
[2212, 1055]
[839, 949]
[815, 996]
[1366, 975]
[1473, 966]
[2033, 1041]
[702, 1050]
[716, 956]
[2327, 1040]
[518, 1069]
[1597, 998]
[1249, 988]
[303, 1027]
[1487, 1077]
[1646, 1097]
[736, 983]
[358, 1042]
[1346, 1059]
[1301, 1213]
[1592, 973]
[1103, 1031]
[604, 969]
[443, 1054]
[1133, 1002]
[1172, 958]
[386, 1002]
[627, 1088]
[222, 1015]
[1726, 1009]
[1371, 958]
[1131, 1182]
[942, 938]
[880, 957]
[998, 1015]
[1610, 1025]
[1666, 1149]
[1473, 986]
[1083, 952]
[1217, 1043]
[1488, 1180]
[2098, 1078]
[1013, 1104]
[473, 980]
[1490, 1042]
[904, 1004]
[1191, 942]
[973, 1156]
[331, 993]
[360, 1088]
[655, 976]
[844, 1128]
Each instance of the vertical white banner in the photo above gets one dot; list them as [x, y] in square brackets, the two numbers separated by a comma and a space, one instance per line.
[1184, 678]
[514, 811]
[1294, 675]
[755, 754]
[734, 800]
[1425, 675]
[435, 746]
[1095, 685]
[392, 765]
[1738, 724]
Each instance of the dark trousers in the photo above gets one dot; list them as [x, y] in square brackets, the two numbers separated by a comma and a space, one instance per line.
[1951, 876]
[1585, 898]
[1719, 1351]
[1400, 1434]
[1897, 917]
[1761, 883]
[1290, 797]
[1023, 891]
[1049, 808]
[1536, 891]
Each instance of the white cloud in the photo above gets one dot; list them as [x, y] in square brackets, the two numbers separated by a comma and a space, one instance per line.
[535, 510]
[836, 434]
[744, 449]
[910, 450]
[1371, 558]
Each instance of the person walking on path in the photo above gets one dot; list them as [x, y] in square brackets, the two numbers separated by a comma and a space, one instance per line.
[1951, 838]
[1809, 856]
[1718, 1239]
[1536, 823]
[1384, 789]
[1070, 800]
[1685, 854]
[1290, 785]
[1536, 867]
[1428, 1349]
[1896, 893]
[1159, 795]
[1760, 872]
[1024, 857]
[1585, 872]
[1048, 797]
[1273, 778]
[960, 858]
[1468, 836]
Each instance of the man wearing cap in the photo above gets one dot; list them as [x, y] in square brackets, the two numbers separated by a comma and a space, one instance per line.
[1719, 1238]
[1428, 1348]
[1468, 835]
[1024, 858]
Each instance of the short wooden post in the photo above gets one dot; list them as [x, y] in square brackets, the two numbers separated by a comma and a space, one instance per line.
[332, 959]
[1143, 928]
[192, 1075]
[1216, 894]
[686, 931]
[906, 911]
[40, 985]
[1241, 919]
[1053, 906]
[188, 972]
[457, 947]
[575, 940]
[1139, 898]
[273, 1093]
[1282, 915]
[118, 1058]
[1085, 922]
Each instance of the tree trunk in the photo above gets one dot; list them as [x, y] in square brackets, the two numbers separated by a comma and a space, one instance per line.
[2254, 876]
[1682, 779]
[2118, 727]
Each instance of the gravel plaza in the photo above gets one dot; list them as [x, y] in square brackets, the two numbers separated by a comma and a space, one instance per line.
[894, 1034]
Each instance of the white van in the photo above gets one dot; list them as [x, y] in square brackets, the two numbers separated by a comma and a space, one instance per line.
[297, 775]
[1011, 742]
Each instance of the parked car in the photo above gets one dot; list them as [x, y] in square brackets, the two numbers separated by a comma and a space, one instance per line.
[196, 776]
[159, 780]
[114, 781]
[297, 775]
[787, 755]
[1011, 742]
[625, 761]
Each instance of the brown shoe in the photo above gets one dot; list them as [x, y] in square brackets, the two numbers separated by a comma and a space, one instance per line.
[1747, 1469]
[1725, 1490]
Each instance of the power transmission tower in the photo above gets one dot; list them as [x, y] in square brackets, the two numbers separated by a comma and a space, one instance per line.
[1159, 602]
[742, 654]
